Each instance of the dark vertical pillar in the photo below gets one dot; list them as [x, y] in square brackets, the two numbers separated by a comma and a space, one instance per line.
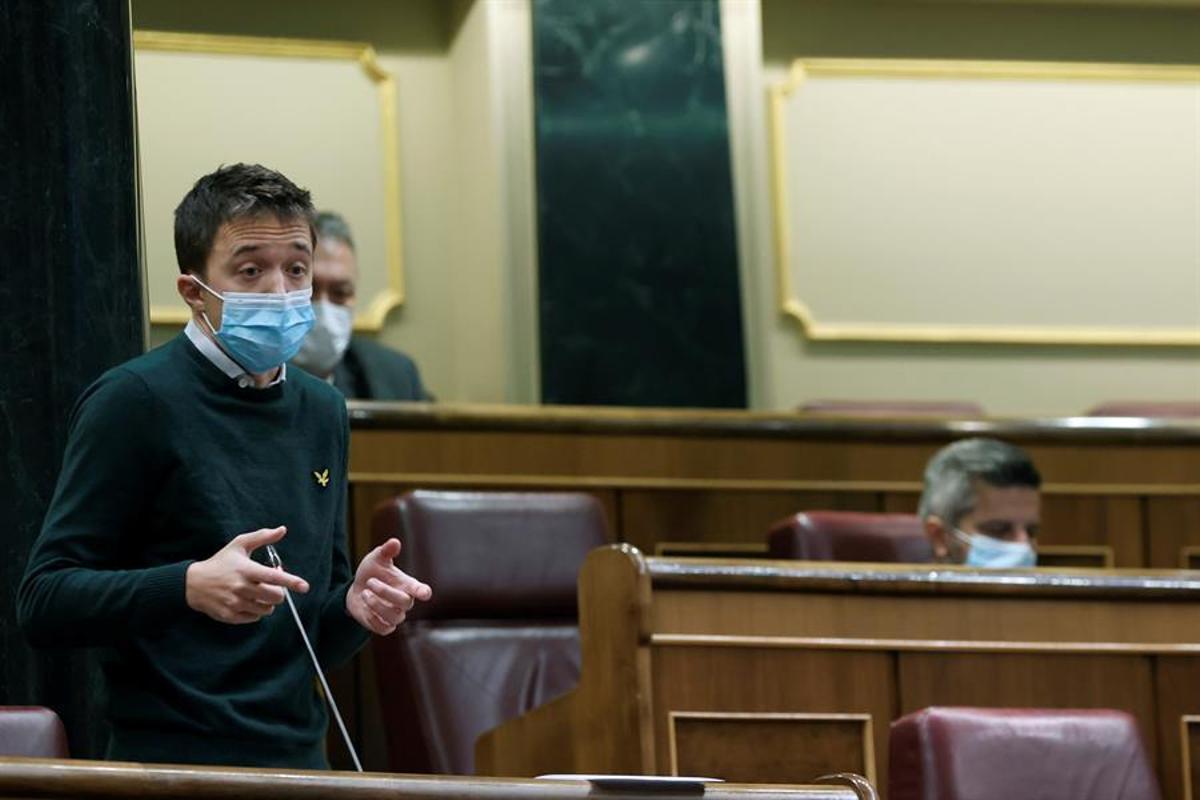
[639, 296]
[70, 289]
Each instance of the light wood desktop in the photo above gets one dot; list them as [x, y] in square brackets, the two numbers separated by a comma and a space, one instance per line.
[77, 780]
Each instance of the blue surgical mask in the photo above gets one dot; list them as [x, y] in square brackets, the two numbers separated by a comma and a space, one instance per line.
[261, 330]
[990, 552]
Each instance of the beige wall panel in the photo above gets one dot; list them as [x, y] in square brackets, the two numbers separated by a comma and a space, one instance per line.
[909, 189]
[254, 107]
[461, 74]
[1008, 379]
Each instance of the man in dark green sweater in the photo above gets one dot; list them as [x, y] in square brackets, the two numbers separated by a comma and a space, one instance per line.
[180, 466]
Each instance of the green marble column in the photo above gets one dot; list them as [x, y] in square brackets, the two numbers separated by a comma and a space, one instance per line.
[639, 296]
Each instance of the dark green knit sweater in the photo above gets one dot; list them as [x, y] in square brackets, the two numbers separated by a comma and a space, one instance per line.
[168, 460]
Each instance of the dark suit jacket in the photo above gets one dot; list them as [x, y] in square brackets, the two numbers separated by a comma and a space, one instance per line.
[370, 371]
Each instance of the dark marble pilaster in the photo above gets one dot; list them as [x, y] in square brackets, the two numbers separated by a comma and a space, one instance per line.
[70, 289]
[639, 295]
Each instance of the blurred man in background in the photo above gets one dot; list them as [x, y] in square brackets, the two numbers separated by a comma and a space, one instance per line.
[358, 367]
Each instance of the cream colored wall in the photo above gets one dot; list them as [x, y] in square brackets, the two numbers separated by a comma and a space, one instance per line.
[761, 40]
[461, 254]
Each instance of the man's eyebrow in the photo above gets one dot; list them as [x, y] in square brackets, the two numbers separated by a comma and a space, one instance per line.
[302, 244]
[246, 248]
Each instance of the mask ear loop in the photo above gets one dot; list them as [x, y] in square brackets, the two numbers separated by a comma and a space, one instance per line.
[204, 312]
[211, 328]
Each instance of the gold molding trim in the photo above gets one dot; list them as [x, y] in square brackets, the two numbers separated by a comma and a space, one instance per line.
[867, 722]
[391, 296]
[794, 307]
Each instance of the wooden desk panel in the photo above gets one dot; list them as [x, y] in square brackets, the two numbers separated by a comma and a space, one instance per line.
[725, 477]
[666, 636]
[675, 475]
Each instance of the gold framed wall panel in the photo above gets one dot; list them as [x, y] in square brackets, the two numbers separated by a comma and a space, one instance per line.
[793, 305]
[373, 310]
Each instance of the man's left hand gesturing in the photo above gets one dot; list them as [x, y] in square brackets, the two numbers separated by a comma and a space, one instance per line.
[381, 594]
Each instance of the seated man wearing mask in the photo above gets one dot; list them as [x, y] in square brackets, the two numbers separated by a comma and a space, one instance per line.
[358, 367]
[182, 466]
[981, 505]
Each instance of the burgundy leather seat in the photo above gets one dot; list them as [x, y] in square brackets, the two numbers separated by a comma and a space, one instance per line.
[893, 408]
[1033, 754]
[32, 731]
[1152, 410]
[500, 635]
[850, 536]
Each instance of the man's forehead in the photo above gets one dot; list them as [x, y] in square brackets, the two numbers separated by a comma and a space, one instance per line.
[268, 229]
[335, 256]
[991, 499]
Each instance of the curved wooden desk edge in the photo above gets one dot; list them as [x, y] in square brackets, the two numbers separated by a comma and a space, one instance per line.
[1140, 584]
[24, 778]
[737, 423]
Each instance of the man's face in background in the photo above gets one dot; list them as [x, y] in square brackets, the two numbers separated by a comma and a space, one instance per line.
[335, 273]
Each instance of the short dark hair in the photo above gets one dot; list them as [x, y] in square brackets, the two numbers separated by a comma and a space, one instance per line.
[233, 192]
[951, 474]
[332, 225]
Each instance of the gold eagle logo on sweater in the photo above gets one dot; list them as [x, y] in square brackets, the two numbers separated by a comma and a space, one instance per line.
[322, 478]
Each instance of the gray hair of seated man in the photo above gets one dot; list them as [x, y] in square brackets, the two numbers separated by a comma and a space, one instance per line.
[954, 471]
[331, 225]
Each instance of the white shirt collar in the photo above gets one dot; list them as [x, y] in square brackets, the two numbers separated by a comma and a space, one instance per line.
[222, 361]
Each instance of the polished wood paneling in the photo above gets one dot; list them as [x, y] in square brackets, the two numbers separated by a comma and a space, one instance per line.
[716, 477]
[1190, 758]
[726, 476]
[1075, 555]
[1173, 525]
[1177, 693]
[774, 680]
[1032, 680]
[775, 637]
[770, 748]
[650, 516]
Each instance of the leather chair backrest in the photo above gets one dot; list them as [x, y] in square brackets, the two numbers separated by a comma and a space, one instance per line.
[1034, 754]
[33, 732]
[850, 536]
[893, 408]
[1148, 409]
[500, 636]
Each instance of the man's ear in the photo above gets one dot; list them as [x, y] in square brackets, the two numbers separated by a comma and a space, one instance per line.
[935, 531]
[190, 291]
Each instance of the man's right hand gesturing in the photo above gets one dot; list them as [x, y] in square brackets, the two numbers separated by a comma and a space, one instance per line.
[232, 587]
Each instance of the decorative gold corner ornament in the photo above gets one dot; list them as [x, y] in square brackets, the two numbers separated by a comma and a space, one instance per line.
[378, 307]
[794, 307]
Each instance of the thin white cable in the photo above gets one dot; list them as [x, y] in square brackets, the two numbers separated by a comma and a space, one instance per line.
[337, 715]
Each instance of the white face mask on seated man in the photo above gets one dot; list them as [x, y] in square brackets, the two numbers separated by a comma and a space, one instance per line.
[986, 551]
[325, 344]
